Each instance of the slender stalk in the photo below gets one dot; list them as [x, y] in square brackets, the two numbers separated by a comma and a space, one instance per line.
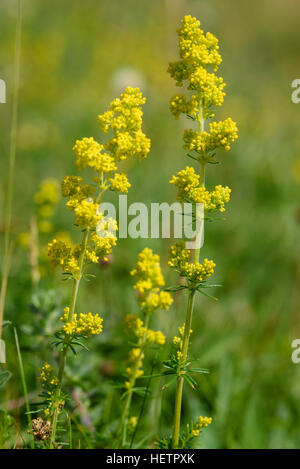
[70, 432]
[178, 398]
[34, 252]
[5, 272]
[126, 408]
[190, 306]
[12, 157]
[66, 340]
[24, 385]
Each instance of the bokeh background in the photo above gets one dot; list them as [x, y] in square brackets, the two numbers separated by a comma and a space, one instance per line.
[76, 57]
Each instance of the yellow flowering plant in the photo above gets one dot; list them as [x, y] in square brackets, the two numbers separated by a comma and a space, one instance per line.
[41, 227]
[151, 297]
[195, 69]
[124, 121]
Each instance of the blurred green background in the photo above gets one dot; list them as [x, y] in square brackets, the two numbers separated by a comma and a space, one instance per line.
[76, 57]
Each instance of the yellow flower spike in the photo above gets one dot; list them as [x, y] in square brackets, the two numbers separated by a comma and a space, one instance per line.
[149, 281]
[47, 197]
[47, 377]
[199, 58]
[124, 118]
[148, 271]
[135, 354]
[132, 423]
[176, 340]
[160, 338]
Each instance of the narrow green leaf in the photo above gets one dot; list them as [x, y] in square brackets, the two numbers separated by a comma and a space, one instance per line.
[206, 294]
[4, 377]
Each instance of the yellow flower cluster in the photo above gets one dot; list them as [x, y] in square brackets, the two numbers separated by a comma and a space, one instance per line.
[47, 376]
[149, 281]
[209, 85]
[220, 135]
[132, 423]
[179, 104]
[124, 118]
[86, 324]
[120, 183]
[202, 422]
[193, 272]
[196, 47]
[196, 272]
[61, 253]
[156, 300]
[86, 214]
[135, 370]
[88, 153]
[124, 113]
[138, 328]
[46, 198]
[81, 201]
[210, 93]
[99, 246]
[178, 340]
[178, 255]
[73, 188]
[218, 198]
[187, 182]
[148, 272]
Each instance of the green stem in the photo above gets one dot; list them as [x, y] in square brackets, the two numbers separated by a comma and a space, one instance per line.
[12, 157]
[190, 307]
[76, 283]
[24, 385]
[64, 352]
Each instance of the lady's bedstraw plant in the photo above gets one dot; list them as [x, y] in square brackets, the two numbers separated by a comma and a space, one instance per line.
[124, 120]
[199, 53]
[149, 283]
